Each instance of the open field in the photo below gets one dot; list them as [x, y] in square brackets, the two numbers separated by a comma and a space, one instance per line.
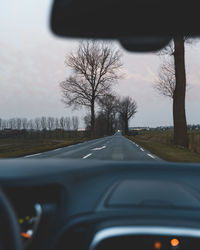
[160, 143]
[21, 144]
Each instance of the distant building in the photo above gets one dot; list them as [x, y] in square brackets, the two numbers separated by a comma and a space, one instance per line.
[138, 128]
[81, 129]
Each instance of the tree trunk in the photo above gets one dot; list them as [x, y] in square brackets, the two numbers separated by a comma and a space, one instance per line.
[108, 124]
[92, 120]
[126, 126]
[180, 125]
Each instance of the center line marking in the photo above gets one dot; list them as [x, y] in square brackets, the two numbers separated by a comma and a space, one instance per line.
[86, 156]
[142, 149]
[99, 148]
[151, 156]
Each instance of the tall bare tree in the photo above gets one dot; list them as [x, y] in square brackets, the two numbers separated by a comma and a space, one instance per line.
[95, 67]
[180, 124]
[127, 108]
[177, 50]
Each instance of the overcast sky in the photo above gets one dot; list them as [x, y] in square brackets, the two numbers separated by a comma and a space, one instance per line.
[32, 65]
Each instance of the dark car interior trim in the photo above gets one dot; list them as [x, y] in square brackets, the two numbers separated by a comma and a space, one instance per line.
[142, 230]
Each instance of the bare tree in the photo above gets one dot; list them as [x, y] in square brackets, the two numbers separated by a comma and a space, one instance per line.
[87, 121]
[127, 108]
[50, 123]
[44, 123]
[19, 123]
[31, 124]
[101, 124]
[75, 122]
[4, 124]
[68, 123]
[24, 123]
[62, 123]
[108, 104]
[166, 82]
[37, 124]
[12, 123]
[57, 123]
[95, 67]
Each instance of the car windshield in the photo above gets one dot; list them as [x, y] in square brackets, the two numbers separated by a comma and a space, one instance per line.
[92, 99]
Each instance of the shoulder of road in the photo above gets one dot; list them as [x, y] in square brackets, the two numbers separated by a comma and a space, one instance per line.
[165, 151]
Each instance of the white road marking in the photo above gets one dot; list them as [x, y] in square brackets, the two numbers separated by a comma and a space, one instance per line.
[27, 156]
[142, 149]
[151, 156]
[86, 156]
[99, 148]
[57, 149]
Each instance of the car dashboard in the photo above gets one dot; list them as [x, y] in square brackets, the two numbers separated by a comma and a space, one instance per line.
[99, 205]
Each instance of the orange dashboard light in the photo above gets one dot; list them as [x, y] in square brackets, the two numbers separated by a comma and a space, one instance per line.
[174, 242]
[25, 235]
[157, 245]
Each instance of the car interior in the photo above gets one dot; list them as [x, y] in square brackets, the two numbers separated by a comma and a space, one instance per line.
[59, 204]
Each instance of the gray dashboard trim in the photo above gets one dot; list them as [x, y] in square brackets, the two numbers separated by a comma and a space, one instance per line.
[144, 230]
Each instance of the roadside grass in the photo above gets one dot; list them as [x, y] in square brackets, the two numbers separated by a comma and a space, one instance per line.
[18, 147]
[161, 144]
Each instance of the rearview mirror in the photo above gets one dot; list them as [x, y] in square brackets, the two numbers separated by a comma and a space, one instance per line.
[140, 25]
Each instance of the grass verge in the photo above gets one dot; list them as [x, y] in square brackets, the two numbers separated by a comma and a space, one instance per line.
[166, 151]
[15, 147]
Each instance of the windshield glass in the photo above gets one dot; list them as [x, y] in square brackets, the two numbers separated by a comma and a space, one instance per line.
[86, 99]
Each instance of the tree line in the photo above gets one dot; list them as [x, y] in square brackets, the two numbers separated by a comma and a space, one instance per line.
[114, 114]
[40, 123]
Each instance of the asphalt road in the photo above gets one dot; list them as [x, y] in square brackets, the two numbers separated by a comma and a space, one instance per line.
[115, 147]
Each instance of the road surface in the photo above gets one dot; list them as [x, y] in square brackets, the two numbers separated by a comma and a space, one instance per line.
[115, 147]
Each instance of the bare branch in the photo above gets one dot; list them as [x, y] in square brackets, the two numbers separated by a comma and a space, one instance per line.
[166, 81]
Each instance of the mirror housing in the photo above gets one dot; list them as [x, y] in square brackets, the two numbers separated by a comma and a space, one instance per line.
[140, 25]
